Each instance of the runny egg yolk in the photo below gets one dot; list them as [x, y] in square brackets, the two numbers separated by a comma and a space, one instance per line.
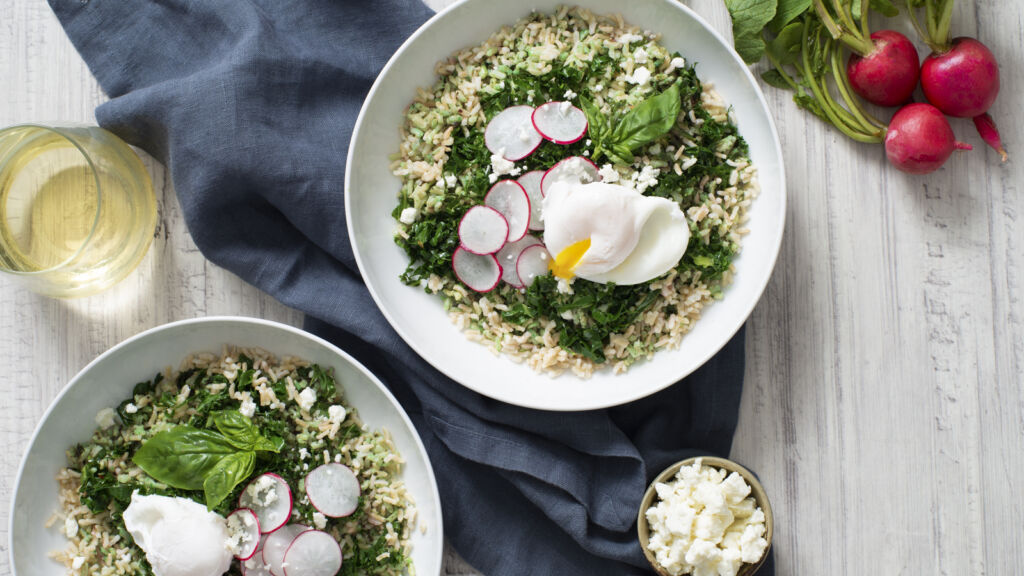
[564, 264]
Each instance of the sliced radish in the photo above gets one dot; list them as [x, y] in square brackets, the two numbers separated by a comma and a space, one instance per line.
[508, 256]
[572, 169]
[483, 230]
[313, 553]
[531, 184]
[269, 496]
[254, 566]
[245, 525]
[510, 199]
[511, 133]
[333, 490]
[532, 262]
[277, 544]
[560, 122]
[480, 272]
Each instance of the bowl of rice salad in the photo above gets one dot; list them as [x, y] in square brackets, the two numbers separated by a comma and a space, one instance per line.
[225, 446]
[568, 188]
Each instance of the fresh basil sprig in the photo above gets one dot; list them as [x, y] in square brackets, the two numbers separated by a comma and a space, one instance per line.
[215, 462]
[618, 137]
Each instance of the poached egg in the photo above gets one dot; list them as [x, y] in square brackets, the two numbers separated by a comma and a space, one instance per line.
[180, 537]
[611, 233]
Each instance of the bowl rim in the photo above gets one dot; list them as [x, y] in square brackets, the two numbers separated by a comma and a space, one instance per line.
[756, 490]
[241, 321]
[588, 402]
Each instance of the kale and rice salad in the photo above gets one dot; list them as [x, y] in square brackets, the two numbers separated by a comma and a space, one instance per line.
[607, 68]
[294, 420]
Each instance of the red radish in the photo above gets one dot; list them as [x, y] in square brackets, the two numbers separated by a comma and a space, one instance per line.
[333, 490]
[483, 230]
[270, 498]
[573, 168]
[277, 544]
[990, 134]
[888, 74]
[532, 262]
[480, 272]
[962, 82]
[511, 134]
[313, 553]
[510, 199]
[919, 139]
[508, 256]
[244, 524]
[531, 184]
[560, 122]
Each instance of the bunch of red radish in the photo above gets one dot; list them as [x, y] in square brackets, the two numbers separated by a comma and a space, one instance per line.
[960, 78]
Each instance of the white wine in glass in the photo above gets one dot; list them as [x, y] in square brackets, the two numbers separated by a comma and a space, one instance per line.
[77, 209]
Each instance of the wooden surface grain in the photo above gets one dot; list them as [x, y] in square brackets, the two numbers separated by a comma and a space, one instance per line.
[884, 398]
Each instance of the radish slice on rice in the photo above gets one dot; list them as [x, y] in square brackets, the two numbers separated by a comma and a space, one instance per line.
[508, 257]
[254, 566]
[483, 230]
[511, 134]
[277, 544]
[270, 498]
[572, 169]
[531, 184]
[313, 553]
[244, 533]
[510, 199]
[480, 272]
[532, 262]
[333, 490]
[560, 122]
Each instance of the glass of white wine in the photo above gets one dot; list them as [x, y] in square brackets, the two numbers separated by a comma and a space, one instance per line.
[77, 209]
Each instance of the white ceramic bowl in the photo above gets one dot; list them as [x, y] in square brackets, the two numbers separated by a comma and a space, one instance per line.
[418, 317]
[110, 378]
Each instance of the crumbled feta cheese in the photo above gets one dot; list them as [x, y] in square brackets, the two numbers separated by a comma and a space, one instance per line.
[450, 180]
[336, 413]
[306, 398]
[303, 453]
[640, 56]
[130, 408]
[563, 107]
[77, 562]
[588, 142]
[608, 174]
[319, 520]
[655, 148]
[639, 77]
[408, 215]
[263, 489]
[247, 408]
[599, 88]
[548, 52]
[524, 134]
[499, 165]
[70, 527]
[569, 95]
[675, 64]
[628, 38]
[492, 178]
[565, 287]
[700, 524]
[646, 178]
[105, 418]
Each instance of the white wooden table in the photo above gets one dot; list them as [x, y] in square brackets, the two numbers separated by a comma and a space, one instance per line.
[884, 398]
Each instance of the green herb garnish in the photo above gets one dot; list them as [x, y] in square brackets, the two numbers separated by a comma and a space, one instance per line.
[190, 458]
[618, 136]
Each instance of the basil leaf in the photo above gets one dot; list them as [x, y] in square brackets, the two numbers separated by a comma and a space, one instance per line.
[228, 473]
[596, 122]
[238, 429]
[268, 445]
[647, 121]
[183, 456]
[749, 17]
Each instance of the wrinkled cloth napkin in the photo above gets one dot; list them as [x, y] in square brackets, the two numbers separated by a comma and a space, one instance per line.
[250, 104]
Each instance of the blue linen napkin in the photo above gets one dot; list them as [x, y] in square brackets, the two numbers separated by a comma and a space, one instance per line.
[250, 104]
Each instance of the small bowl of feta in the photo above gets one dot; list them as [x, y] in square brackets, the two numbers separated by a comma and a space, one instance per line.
[705, 515]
